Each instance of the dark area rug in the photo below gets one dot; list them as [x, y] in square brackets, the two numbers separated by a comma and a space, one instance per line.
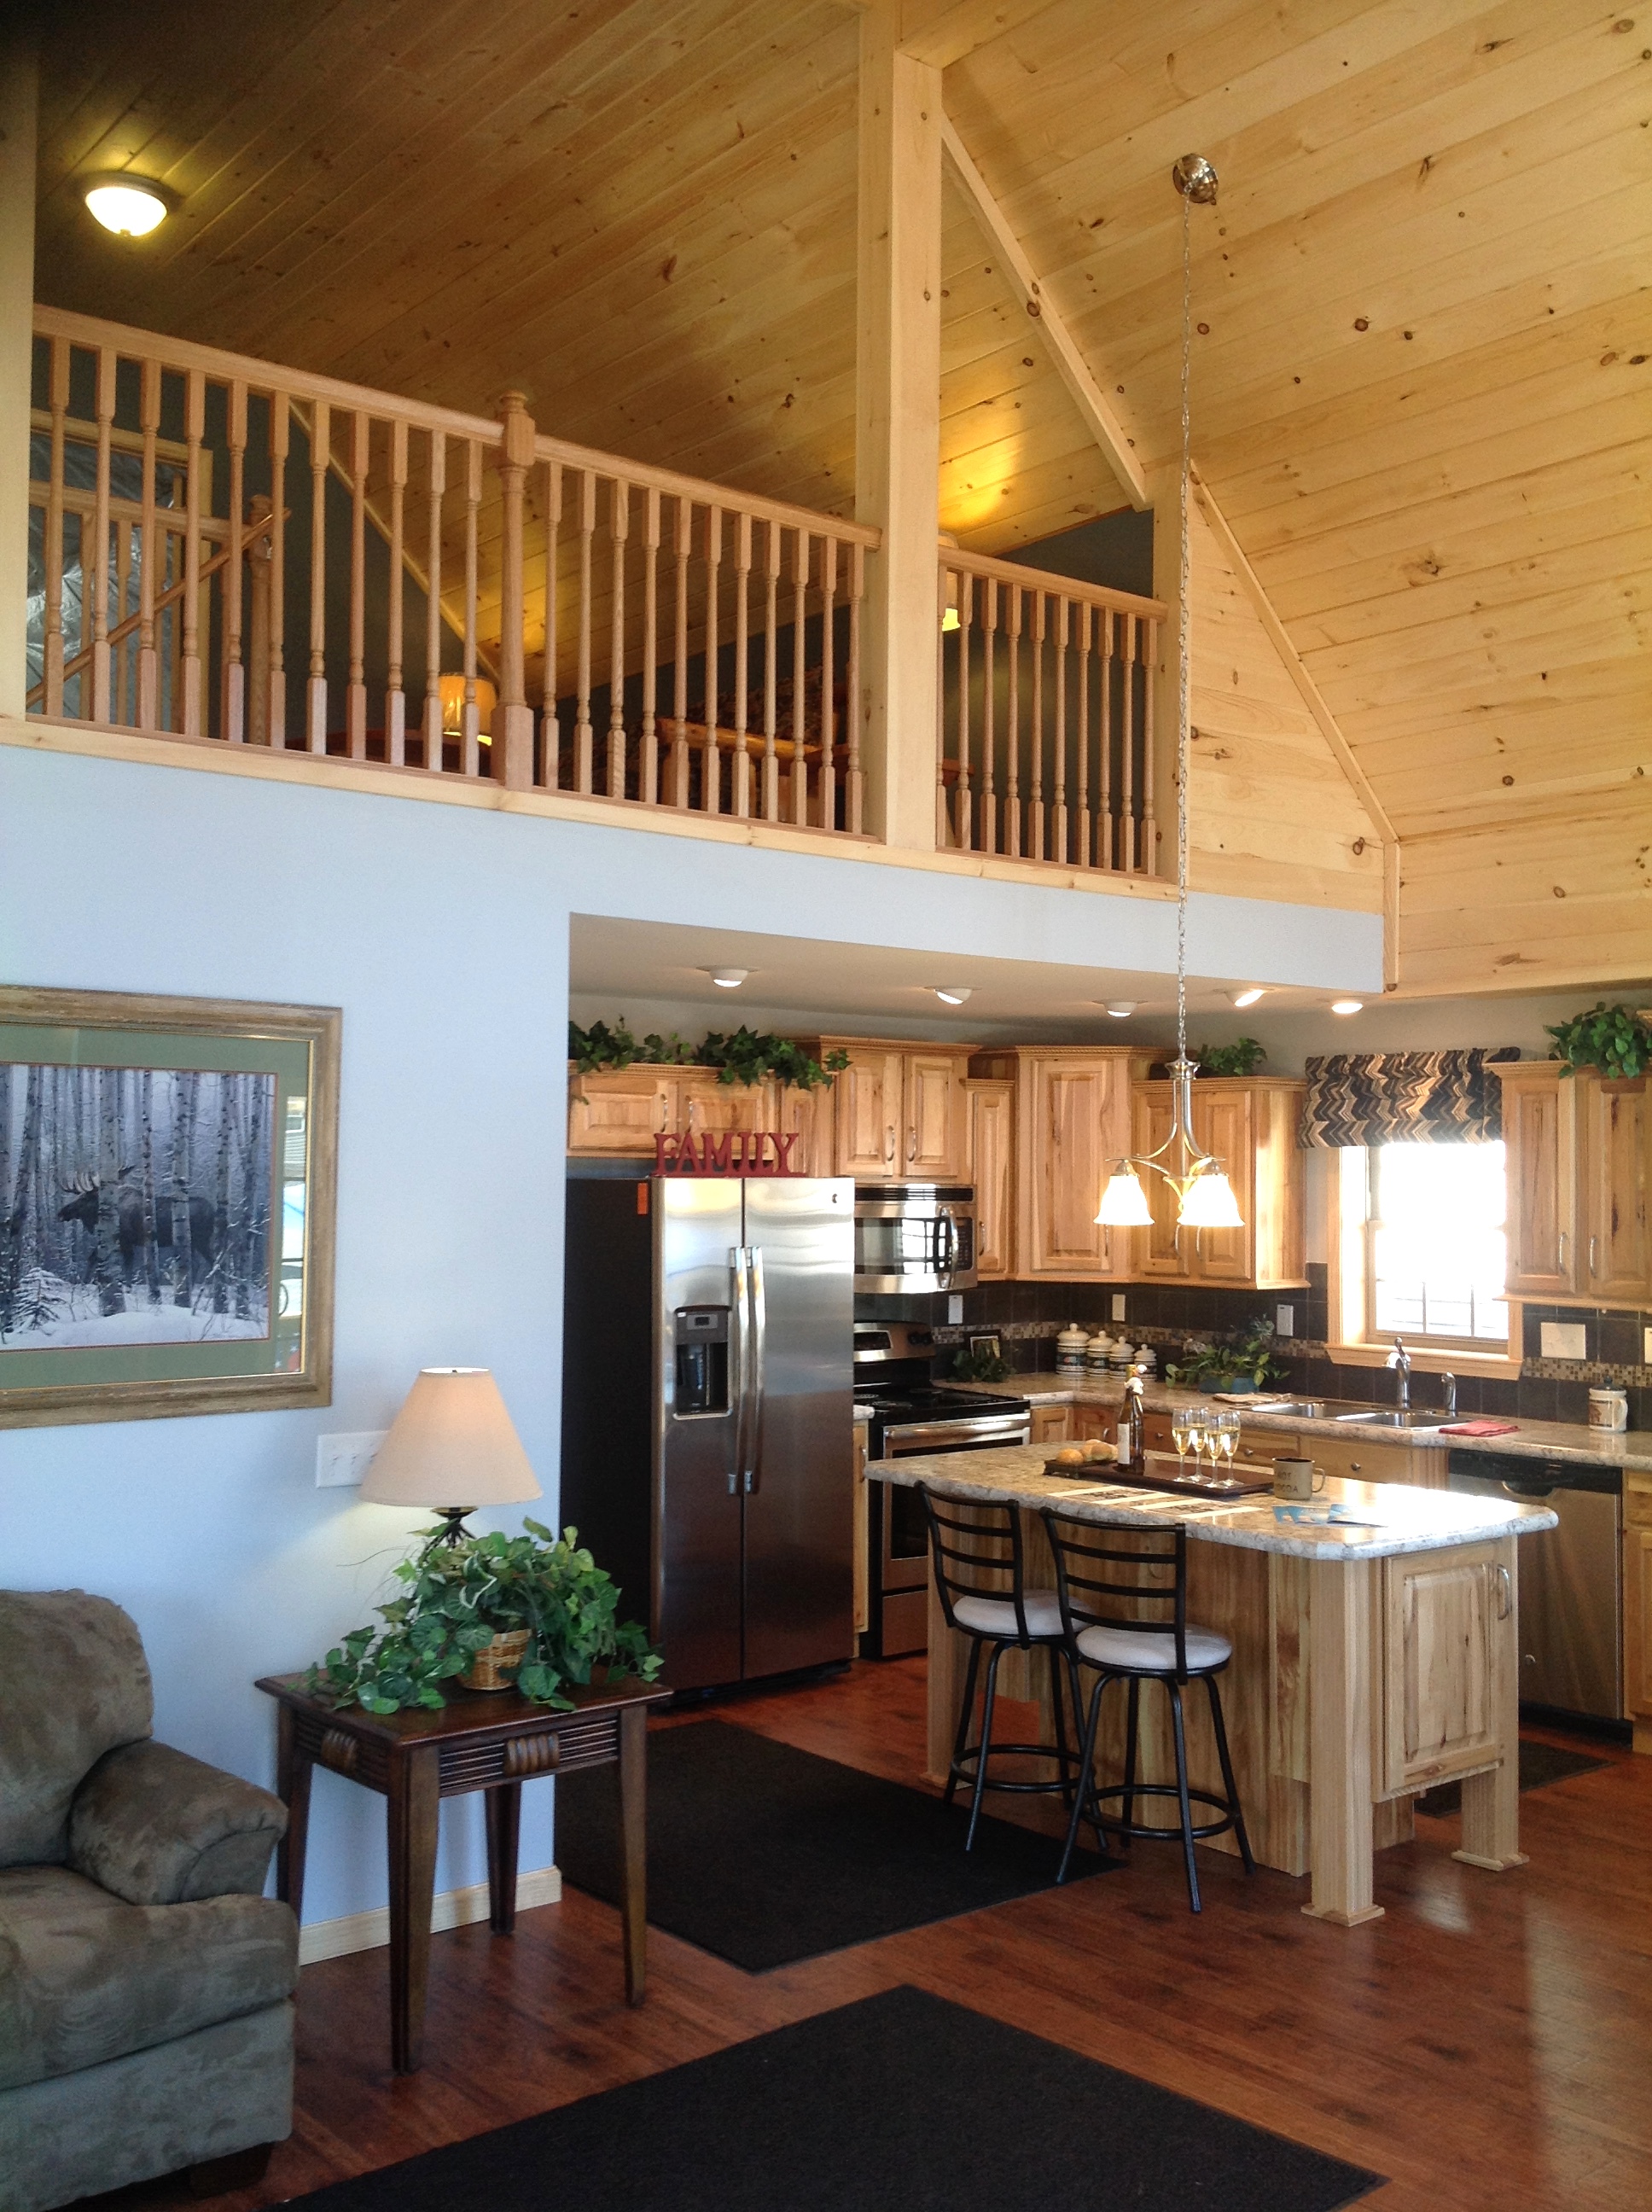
[764, 1855]
[1539, 1764]
[903, 2099]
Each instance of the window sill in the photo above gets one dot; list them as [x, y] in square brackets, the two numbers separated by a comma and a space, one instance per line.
[1429, 1359]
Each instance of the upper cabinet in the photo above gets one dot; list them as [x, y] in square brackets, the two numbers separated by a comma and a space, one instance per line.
[901, 1112]
[620, 1110]
[1249, 1124]
[991, 1168]
[1577, 1149]
[1072, 1121]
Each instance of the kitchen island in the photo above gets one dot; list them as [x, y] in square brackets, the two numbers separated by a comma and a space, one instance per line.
[1374, 1655]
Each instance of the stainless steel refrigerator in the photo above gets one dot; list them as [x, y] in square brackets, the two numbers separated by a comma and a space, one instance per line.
[707, 1421]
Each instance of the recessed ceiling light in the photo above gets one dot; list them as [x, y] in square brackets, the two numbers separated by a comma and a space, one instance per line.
[129, 206]
[1121, 1009]
[953, 995]
[1246, 997]
[1346, 1005]
[728, 979]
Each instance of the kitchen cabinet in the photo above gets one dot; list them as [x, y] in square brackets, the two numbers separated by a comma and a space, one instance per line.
[1638, 1607]
[1577, 1148]
[806, 1116]
[866, 1097]
[619, 1110]
[1093, 1423]
[706, 1107]
[899, 1110]
[1249, 1124]
[1072, 1123]
[989, 1164]
[1614, 1258]
[1443, 1663]
[1050, 1425]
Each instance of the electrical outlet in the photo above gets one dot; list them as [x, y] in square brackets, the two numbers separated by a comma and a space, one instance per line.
[342, 1461]
[954, 1311]
[1284, 1321]
[1563, 1339]
[1118, 1305]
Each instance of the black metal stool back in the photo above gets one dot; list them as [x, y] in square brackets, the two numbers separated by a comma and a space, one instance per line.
[1093, 1575]
[992, 1541]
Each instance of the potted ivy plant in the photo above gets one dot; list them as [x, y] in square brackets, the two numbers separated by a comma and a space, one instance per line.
[536, 1606]
[1242, 1361]
[1617, 1041]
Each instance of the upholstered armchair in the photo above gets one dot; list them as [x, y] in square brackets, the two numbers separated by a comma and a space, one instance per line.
[146, 1984]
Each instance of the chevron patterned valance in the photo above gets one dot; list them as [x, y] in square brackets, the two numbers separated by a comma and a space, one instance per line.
[1404, 1098]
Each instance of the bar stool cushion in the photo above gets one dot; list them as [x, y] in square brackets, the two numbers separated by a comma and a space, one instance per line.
[1144, 1651]
[995, 1616]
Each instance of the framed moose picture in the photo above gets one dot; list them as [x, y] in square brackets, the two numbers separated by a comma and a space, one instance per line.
[166, 1195]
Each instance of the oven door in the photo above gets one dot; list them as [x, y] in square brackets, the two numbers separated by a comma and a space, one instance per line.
[915, 1247]
[903, 1537]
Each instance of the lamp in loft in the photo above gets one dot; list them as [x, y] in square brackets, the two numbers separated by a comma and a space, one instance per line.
[1205, 1197]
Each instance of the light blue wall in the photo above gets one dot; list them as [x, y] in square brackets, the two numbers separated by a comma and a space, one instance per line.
[443, 933]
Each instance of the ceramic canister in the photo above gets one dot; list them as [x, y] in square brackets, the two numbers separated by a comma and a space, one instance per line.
[1097, 1352]
[1609, 1407]
[1070, 1349]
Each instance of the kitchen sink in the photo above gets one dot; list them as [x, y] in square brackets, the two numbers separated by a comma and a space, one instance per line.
[1389, 1417]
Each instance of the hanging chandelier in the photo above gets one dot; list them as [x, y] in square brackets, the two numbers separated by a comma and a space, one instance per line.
[1205, 1197]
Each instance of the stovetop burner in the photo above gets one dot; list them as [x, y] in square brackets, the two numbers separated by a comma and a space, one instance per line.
[923, 1403]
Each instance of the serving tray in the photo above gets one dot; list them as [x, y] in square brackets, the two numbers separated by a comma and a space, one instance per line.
[1160, 1473]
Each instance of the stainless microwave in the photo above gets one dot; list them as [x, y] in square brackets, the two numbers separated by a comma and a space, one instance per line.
[914, 1237]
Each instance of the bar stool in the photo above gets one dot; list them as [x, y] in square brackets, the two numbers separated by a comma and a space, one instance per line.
[1019, 1620]
[1153, 1642]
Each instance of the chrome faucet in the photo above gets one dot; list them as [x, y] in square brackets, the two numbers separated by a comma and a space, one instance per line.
[1448, 1385]
[1400, 1359]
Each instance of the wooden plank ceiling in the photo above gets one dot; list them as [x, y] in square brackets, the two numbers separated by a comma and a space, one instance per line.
[1424, 368]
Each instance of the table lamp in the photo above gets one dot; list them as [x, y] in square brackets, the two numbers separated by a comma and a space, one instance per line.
[452, 1447]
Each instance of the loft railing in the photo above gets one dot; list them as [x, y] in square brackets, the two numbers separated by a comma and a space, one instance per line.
[1044, 745]
[226, 549]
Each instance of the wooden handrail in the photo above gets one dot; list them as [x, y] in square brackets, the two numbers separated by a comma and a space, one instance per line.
[669, 481]
[1045, 580]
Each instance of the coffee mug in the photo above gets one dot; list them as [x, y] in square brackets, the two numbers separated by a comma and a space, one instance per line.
[1297, 1478]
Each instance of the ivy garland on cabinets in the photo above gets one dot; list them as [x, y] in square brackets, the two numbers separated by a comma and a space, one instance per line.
[739, 1056]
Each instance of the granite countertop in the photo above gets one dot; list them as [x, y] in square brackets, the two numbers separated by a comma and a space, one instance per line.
[1385, 1518]
[1631, 1451]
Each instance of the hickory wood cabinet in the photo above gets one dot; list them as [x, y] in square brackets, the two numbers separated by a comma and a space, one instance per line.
[989, 1165]
[1072, 1112]
[1637, 1606]
[618, 1112]
[1249, 1124]
[1577, 1148]
[899, 1110]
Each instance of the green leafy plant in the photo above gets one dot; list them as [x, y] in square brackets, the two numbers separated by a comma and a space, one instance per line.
[743, 1056]
[971, 1365]
[1243, 1057]
[1616, 1040]
[601, 1047]
[1241, 1355]
[456, 1597]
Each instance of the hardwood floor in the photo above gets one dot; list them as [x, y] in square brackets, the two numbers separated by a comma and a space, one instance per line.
[1487, 2044]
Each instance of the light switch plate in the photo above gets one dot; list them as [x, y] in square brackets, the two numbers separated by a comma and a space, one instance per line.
[1118, 1305]
[954, 1311]
[1284, 1321]
[342, 1461]
[1646, 1346]
[1563, 1339]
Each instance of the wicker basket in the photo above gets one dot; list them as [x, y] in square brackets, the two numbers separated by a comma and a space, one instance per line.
[493, 1668]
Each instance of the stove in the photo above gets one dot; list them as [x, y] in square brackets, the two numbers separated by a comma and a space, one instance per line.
[913, 1416]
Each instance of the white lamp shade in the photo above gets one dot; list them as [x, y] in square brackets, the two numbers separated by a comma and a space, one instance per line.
[1210, 1203]
[1124, 1204]
[452, 1443]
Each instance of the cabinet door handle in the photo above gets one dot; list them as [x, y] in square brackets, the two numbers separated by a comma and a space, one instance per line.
[1592, 1244]
[912, 1143]
[1505, 1594]
[1560, 1248]
[1353, 1467]
[665, 1114]
[889, 1142]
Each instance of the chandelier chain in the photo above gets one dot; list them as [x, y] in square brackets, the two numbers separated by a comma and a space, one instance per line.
[1182, 632]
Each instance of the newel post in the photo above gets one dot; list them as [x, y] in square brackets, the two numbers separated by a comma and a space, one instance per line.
[512, 727]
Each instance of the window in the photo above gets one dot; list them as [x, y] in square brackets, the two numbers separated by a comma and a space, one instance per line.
[1434, 1246]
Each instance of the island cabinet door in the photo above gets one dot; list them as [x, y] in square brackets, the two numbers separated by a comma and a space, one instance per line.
[1637, 1607]
[1539, 1125]
[620, 1110]
[1444, 1645]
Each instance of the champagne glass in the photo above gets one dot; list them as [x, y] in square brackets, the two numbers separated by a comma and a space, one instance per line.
[1199, 1422]
[1226, 1439]
[1182, 1431]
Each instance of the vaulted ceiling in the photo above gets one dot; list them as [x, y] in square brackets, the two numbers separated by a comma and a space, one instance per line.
[1423, 382]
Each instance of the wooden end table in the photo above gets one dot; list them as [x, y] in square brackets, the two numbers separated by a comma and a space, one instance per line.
[492, 1740]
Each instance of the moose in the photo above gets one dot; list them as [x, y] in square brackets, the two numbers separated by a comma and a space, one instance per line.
[82, 1206]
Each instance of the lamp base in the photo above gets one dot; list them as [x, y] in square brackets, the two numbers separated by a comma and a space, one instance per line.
[454, 1530]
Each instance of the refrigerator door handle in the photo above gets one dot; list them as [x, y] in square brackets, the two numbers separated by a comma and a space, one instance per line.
[754, 1371]
[740, 1361]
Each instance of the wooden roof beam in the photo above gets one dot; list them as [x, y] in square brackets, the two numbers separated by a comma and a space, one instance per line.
[942, 32]
[1091, 402]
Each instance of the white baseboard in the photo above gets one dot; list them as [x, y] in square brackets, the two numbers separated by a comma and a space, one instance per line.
[453, 1908]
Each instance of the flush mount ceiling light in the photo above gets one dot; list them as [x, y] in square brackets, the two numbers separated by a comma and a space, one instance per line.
[1121, 1009]
[1205, 1197]
[129, 206]
[1245, 997]
[1347, 1005]
[727, 979]
[953, 995]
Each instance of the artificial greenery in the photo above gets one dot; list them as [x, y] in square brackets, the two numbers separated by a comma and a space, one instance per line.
[456, 1597]
[1243, 1057]
[975, 1364]
[742, 1056]
[1241, 1355]
[1617, 1040]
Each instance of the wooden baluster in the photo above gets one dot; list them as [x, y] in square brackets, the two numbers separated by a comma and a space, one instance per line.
[619, 531]
[148, 660]
[740, 781]
[276, 705]
[395, 697]
[826, 797]
[1148, 858]
[1127, 745]
[856, 786]
[125, 666]
[102, 689]
[1059, 816]
[433, 718]
[711, 768]
[963, 803]
[470, 735]
[315, 719]
[52, 659]
[232, 697]
[194, 431]
[257, 731]
[1082, 820]
[583, 763]
[648, 742]
[355, 695]
[1106, 845]
[989, 839]
[799, 680]
[511, 754]
[550, 725]
[679, 790]
[1012, 718]
[1035, 794]
[943, 831]
[771, 778]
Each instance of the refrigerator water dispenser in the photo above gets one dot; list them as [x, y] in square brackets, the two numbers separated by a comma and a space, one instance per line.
[701, 1339]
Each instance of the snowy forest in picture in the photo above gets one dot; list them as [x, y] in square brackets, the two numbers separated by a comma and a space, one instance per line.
[135, 1206]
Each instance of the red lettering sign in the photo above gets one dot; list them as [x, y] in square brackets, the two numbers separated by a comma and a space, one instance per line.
[734, 1153]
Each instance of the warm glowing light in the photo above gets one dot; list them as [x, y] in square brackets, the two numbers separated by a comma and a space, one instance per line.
[1247, 998]
[1121, 1009]
[451, 692]
[953, 995]
[129, 206]
[1124, 1203]
[728, 979]
[950, 619]
[1209, 1203]
[1347, 1005]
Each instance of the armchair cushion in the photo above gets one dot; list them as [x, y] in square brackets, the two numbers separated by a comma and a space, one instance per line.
[158, 1827]
[73, 1685]
[84, 1977]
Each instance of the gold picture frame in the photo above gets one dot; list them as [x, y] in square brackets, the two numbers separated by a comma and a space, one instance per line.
[169, 1180]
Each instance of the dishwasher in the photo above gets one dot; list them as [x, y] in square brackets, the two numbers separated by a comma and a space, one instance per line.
[1570, 1587]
